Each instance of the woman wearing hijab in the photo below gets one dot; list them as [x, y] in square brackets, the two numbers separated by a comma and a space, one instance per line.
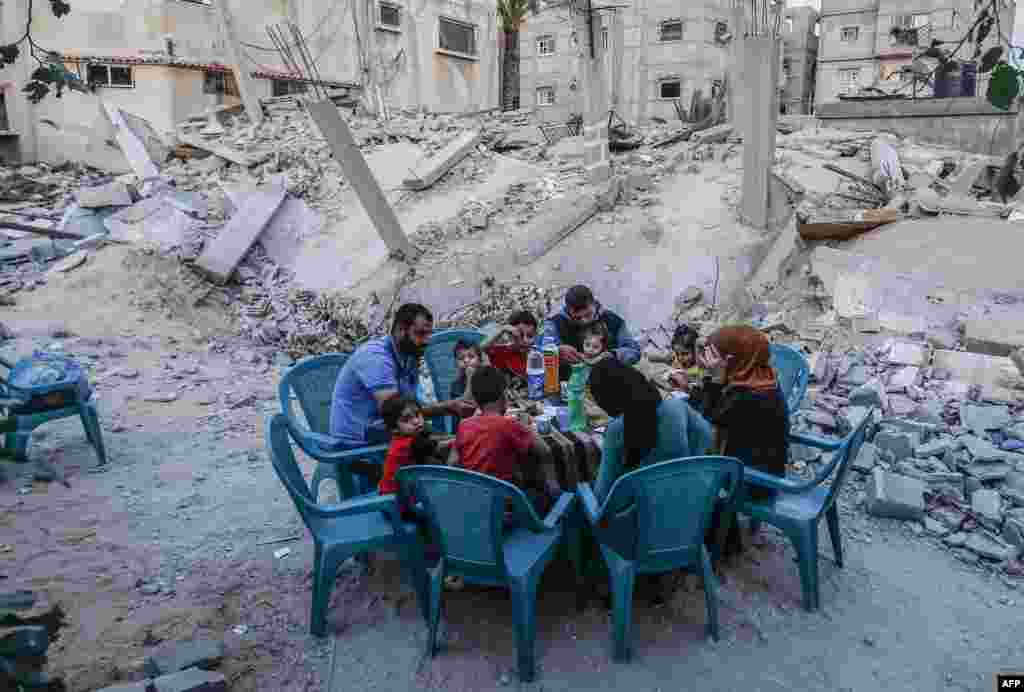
[743, 401]
[644, 429]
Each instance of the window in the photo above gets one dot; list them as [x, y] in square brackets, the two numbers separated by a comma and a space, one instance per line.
[849, 34]
[546, 96]
[789, 25]
[220, 83]
[389, 16]
[672, 30]
[546, 45]
[118, 76]
[787, 66]
[849, 80]
[457, 37]
[721, 32]
[670, 89]
[604, 38]
[287, 87]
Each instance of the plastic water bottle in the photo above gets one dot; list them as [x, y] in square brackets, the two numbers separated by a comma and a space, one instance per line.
[535, 375]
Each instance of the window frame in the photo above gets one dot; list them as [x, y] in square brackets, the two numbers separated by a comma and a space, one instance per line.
[669, 80]
[289, 86]
[543, 39]
[381, 24]
[474, 32]
[661, 30]
[545, 89]
[854, 29]
[109, 83]
[846, 85]
[605, 37]
[720, 29]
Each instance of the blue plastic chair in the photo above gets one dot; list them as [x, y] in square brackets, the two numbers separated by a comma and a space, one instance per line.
[798, 506]
[354, 527]
[84, 407]
[465, 514]
[312, 381]
[440, 358]
[654, 520]
[792, 372]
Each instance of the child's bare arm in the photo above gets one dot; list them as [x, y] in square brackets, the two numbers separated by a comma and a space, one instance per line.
[541, 455]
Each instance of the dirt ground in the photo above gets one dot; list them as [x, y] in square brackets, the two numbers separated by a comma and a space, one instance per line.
[189, 499]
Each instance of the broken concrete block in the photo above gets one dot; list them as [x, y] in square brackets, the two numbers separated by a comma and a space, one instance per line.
[638, 181]
[652, 231]
[936, 528]
[856, 376]
[1013, 533]
[866, 458]
[223, 253]
[904, 353]
[431, 170]
[988, 372]
[112, 194]
[981, 450]
[871, 394]
[900, 445]
[607, 197]
[986, 472]
[987, 503]
[935, 448]
[1016, 431]
[994, 337]
[191, 680]
[1018, 359]
[980, 418]
[894, 496]
[712, 135]
[175, 656]
[989, 547]
[902, 378]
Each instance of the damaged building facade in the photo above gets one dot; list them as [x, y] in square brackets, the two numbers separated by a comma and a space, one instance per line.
[799, 60]
[862, 45]
[656, 53]
[165, 60]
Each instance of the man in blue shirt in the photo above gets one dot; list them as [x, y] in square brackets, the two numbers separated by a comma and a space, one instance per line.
[566, 328]
[382, 369]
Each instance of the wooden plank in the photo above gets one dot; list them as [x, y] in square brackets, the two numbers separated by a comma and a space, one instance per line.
[358, 174]
[223, 254]
[430, 171]
[232, 155]
[845, 226]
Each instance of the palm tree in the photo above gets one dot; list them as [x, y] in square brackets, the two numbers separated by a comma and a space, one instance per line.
[511, 15]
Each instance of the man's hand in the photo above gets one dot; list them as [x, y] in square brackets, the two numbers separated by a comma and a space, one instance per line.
[599, 357]
[569, 354]
[461, 408]
[712, 361]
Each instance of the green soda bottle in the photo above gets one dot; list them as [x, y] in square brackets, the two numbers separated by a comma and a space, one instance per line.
[577, 387]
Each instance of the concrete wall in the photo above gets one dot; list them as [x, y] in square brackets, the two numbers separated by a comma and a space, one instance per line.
[964, 123]
[800, 54]
[408, 64]
[637, 60]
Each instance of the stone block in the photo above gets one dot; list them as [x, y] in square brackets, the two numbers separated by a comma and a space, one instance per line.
[980, 418]
[899, 445]
[894, 496]
[935, 448]
[870, 395]
[1013, 533]
[174, 656]
[1016, 431]
[856, 376]
[987, 503]
[990, 547]
[987, 472]
[994, 337]
[902, 378]
[866, 458]
[191, 680]
[981, 450]
[905, 353]
[936, 528]
[988, 372]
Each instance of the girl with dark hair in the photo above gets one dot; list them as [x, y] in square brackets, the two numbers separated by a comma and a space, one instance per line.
[644, 429]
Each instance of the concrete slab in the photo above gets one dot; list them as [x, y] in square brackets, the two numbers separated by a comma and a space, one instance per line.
[989, 372]
[428, 172]
[222, 255]
[994, 338]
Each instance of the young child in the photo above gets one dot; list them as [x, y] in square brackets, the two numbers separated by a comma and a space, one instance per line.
[410, 442]
[500, 446]
[687, 373]
[595, 343]
[519, 336]
[468, 357]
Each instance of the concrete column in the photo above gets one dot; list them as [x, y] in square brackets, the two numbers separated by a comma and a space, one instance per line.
[596, 160]
[242, 75]
[760, 92]
[22, 116]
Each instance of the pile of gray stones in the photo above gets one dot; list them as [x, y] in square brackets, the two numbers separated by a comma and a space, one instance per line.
[939, 453]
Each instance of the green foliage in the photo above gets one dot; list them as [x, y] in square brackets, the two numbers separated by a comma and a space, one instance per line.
[1003, 86]
[511, 13]
[50, 74]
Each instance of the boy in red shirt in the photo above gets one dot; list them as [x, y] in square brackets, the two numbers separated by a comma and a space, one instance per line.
[519, 334]
[501, 446]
